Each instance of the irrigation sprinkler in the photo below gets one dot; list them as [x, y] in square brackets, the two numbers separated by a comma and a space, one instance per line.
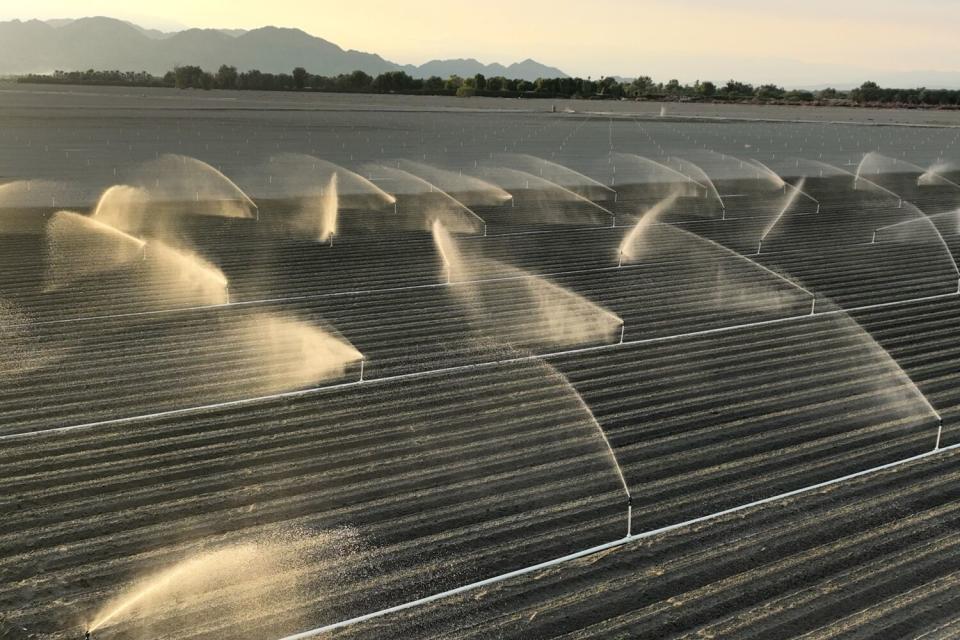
[362, 362]
[623, 326]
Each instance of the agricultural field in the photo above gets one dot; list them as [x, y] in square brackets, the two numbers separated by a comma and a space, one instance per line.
[299, 365]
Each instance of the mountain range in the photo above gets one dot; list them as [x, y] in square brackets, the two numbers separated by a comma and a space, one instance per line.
[36, 46]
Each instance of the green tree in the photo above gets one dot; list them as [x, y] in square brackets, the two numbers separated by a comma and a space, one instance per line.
[191, 77]
[226, 77]
[433, 84]
[734, 88]
[770, 92]
[707, 89]
[867, 92]
[300, 77]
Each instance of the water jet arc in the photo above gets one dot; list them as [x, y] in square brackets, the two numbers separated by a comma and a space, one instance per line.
[302, 161]
[526, 162]
[469, 189]
[873, 155]
[750, 261]
[525, 178]
[932, 175]
[649, 217]
[435, 189]
[633, 157]
[706, 179]
[783, 211]
[781, 182]
[857, 178]
[922, 217]
[191, 168]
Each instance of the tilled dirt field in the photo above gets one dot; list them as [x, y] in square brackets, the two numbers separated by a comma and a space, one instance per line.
[771, 340]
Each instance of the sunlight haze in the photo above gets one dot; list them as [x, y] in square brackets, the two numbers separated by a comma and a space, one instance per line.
[688, 39]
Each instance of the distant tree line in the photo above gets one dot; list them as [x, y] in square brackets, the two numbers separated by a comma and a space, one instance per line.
[607, 88]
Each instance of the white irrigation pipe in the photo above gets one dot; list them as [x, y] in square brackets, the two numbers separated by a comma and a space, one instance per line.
[465, 367]
[311, 633]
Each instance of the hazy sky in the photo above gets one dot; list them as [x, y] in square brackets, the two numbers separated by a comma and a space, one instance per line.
[790, 42]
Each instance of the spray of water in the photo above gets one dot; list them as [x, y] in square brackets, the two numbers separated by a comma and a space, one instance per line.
[563, 383]
[181, 276]
[779, 182]
[861, 182]
[80, 246]
[542, 313]
[296, 175]
[581, 184]
[898, 394]
[739, 256]
[187, 185]
[289, 353]
[876, 163]
[699, 175]
[123, 207]
[934, 175]
[540, 197]
[919, 229]
[470, 190]
[943, 217]
[641, 169]
[791, 198]
[632, 247]
[826, 169]
[20, 200]
[235, 582]
[638, 243]
[318, 214]
[433, 203]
